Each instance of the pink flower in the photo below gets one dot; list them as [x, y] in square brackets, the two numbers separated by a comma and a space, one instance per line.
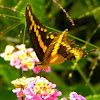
[22, 46]
[19, 94]
[47, 69]
[36, 70]
[18, 66]
[63, 98]
[58, 93]
[16, 90]
[25, 68]
[15, 62]
[45, 95]
[52, 85]
[37, 97]
[53, 97]
[29, 49]
[75, 96]
[27, 99]
[81, 97]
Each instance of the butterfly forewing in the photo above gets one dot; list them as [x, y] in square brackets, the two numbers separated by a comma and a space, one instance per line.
[50, 36]
[37, 33]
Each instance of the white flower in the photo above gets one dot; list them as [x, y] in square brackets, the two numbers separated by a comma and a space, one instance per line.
[9, 49]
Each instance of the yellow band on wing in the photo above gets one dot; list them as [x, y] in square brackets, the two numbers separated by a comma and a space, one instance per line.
[36, 27]
[54, 58]
[56, 47]
[78, 54]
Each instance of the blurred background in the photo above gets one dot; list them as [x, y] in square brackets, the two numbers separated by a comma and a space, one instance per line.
[82, 76]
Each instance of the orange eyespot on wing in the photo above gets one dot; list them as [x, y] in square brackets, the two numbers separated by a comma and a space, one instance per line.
[54, 58]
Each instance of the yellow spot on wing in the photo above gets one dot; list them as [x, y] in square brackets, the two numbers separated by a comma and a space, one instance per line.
[41, 43]
[27, 7]
[38, 26]
[37, 33]
[30, 27]
[45, 30]
[41, 29]
[29, 13]
[51, 36]
[33, 22]
[47, 37]
[39, 38]
[34, 27]
[45, 48]
[31, 18]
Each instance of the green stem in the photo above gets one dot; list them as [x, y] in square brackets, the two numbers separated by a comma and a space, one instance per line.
[21, 72]
[24, 34]
[11, 16]
[85, 79]
[11, 29]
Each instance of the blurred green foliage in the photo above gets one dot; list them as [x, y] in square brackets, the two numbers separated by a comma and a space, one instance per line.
[86, 15]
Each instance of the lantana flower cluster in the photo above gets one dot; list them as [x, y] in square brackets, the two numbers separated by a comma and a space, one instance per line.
[39, 88]
[35, 88]
[75, 96]
[22, 57]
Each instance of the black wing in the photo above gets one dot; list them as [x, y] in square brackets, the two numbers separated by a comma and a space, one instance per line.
[37, 33]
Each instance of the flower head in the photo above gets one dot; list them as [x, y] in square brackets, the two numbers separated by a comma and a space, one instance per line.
[75, 96]
[22, 57]
[9, 49]
[35, 88]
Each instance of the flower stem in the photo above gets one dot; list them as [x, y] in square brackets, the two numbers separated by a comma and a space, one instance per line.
[21, 72]
[85, 79]
[22, 98]
[24, 34]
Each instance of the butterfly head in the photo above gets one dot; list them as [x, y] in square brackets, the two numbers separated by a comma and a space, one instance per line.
[41, 65]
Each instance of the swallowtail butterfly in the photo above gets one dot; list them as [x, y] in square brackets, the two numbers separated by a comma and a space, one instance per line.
[50, 47]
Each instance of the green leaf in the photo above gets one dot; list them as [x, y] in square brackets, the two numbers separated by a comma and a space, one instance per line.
[93, 97]
[6, 94]
[8, 74]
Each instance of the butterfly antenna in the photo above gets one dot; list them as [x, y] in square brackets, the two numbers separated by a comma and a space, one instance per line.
[67, 15]
[94, 50]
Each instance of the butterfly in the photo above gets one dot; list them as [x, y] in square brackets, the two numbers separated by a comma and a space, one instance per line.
[51, 48]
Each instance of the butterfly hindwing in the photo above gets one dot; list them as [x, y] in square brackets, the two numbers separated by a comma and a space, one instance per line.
[68, 49]
[51, 56]
[61, 49]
